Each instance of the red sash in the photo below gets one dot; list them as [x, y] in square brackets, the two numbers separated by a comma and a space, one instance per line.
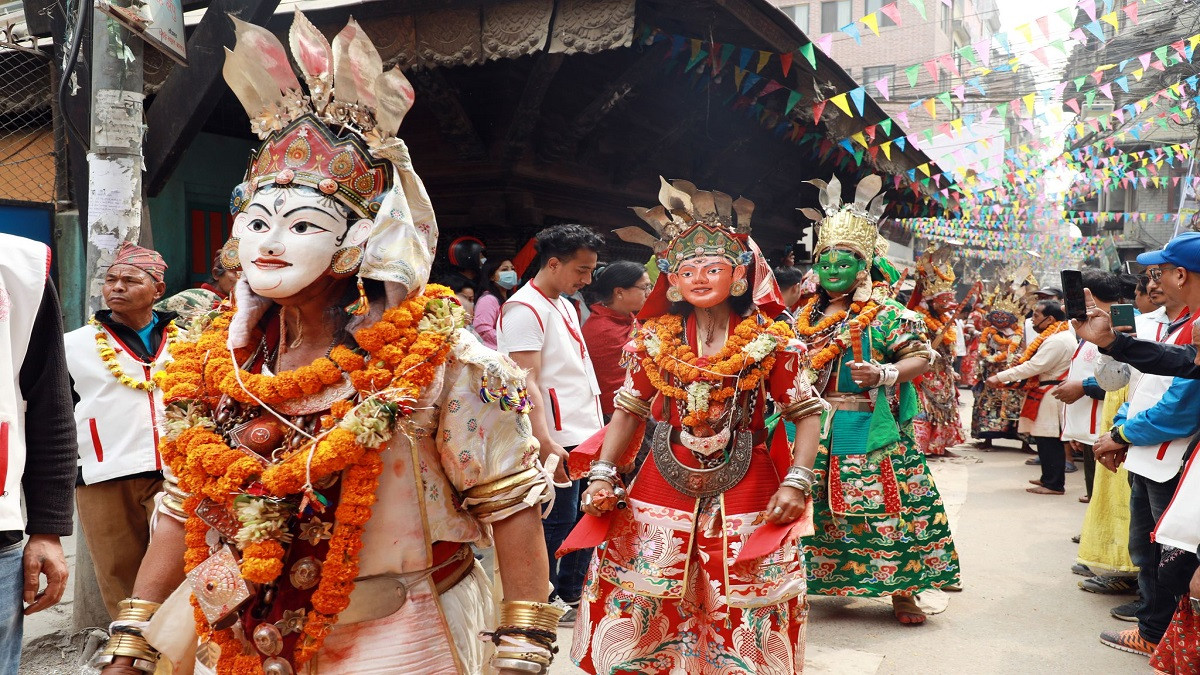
[1034, 395]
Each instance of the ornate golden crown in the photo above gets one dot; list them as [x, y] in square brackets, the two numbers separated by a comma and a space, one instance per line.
[853, 226]
[935, 271]
[1009, 296]
[692, 223]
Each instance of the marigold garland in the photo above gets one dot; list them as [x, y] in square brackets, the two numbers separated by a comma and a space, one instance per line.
[936, 325]
[679, 361]
[399, 357]
[864, 314]
[1009, 345]
[1054, 329]
[108, 354]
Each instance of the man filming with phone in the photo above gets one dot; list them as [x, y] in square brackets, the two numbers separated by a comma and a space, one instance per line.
[1152, 437]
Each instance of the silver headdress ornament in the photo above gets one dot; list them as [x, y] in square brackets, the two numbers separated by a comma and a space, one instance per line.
[853, 225]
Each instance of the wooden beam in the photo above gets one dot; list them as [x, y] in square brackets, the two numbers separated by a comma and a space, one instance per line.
[442, 99]
[190, 94]
[526, 114]
[564, 141]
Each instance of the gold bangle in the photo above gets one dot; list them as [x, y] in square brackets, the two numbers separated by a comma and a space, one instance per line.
[527, 614]
[503, 484]
[632, 404]
[802, 409]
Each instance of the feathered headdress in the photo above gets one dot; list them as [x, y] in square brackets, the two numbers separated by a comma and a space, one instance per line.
[691, 223]
[338, 138]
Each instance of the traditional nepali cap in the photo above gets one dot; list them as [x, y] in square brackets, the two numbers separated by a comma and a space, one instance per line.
[144, 259]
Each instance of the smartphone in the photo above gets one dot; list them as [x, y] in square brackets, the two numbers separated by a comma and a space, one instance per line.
[1072, 285]
[1122, 317]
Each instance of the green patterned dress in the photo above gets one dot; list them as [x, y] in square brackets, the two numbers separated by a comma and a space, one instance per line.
[881, 528]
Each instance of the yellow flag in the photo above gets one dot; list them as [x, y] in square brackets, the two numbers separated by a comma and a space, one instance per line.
[1029, 98]
[957, 124]
[860, 139]
[887, 149]
[924, 168]
[1110, 19]
[1194, 40]
[1025, 32]
[841, 102]
[1137, 74]
[871, 21]
[931, 107]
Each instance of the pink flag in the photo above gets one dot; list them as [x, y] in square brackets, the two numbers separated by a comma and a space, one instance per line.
[983, 49]
[892, 12]
[931, 66]
[1073, 104]
[1089, 6]
[825, 42]
[902, 117]
[1043, 23]
[947, 62]
[961, 92]
[1106, 89]
[882, 85]
[1040, 55]
[1131, 12]
[1145, 59]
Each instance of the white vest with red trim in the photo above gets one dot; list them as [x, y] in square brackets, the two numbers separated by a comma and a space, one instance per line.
[1161, 461]
[117, 426]
[23, 277]
[1081, 419]
[567, 381]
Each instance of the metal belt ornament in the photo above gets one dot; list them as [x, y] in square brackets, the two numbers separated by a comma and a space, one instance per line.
[701, 483]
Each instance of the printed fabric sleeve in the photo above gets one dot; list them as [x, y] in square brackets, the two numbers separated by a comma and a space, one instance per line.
[790, 389]
[905, 336]
[48, 483]
[488, 451]
[636, 394]
[520, 329]
[1175, 415]
[487, 311]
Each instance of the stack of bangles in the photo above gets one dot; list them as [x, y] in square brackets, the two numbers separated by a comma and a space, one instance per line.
[606, 471]
[888, 374]
[126, 636]
[800, 477]
[525, 637]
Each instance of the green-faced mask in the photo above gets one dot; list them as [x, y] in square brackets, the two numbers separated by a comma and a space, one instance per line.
[838, 270]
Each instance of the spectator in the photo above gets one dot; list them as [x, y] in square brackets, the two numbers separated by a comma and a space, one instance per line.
[1047, 358]
[541, 331]
[463, 290]
[41, 455]
[1152, 439]
[113, 360]
[1081, 395]
[500, 278]
[791, 286]
[467, 256]
[620, 290]
[192, 302]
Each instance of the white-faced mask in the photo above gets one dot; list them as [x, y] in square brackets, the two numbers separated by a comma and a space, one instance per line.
[288, 237]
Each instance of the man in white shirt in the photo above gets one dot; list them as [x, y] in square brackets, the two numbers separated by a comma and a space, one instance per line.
[540, 330]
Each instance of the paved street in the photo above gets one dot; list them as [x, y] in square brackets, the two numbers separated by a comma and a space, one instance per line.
[1020, 610]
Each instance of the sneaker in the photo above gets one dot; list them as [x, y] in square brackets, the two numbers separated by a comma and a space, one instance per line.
[1128, 640]
[1070, 468]
[1127, 611]
[1082, 570]
[1109, 585]
[567, 620]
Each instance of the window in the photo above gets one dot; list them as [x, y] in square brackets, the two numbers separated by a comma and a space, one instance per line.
[798, 14]
[884, 20]
[834, 15]
[947, 17]
[873, 73]
[210, 229]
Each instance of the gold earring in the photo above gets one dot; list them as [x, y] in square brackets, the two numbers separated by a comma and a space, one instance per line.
[738, 287]
[361, 305]
[229, 256]
[346, 260]
[674, 294]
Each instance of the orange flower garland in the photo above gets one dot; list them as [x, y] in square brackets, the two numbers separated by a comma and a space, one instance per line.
[1055, 328]
[865, 314]
[678, 360]
[804, 325]
[936, 325]
[1010, 346]
[108, 354]
[402, 356]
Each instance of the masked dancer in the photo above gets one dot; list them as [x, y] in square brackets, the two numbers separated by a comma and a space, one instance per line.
[881, 529]
[702, 573]
[996, 410]
[337, 441]
[937, 426]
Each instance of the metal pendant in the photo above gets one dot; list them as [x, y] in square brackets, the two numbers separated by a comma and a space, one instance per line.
[305, 573]
[277, 666]
[701, 482]
[219, 588]
[268, 639]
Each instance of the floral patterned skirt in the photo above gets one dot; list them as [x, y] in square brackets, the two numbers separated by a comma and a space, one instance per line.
[664, 594]
[1179, 650]
[881, 528]
[938, 426]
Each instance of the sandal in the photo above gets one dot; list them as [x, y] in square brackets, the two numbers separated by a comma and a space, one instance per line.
[1086, 499]
[906, 610]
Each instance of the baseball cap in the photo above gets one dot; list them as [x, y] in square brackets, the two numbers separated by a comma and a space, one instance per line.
[1049, 292]
[1182, 251]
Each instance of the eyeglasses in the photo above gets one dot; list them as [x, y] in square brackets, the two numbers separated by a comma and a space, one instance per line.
[1154, 274]
[645, 289]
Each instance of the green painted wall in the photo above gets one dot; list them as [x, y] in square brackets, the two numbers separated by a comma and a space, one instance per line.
[211, 166]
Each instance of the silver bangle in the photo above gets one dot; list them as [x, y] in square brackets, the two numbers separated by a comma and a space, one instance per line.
[888, 374]
[143, 665]
[803, 472]
[517, 664]
[806, 488]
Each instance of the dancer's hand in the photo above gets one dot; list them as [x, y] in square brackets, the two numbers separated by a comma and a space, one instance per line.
[599, 498]
[865, 375]
[786, 505]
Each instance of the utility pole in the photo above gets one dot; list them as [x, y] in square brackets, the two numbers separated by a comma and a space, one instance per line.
[115, 209]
